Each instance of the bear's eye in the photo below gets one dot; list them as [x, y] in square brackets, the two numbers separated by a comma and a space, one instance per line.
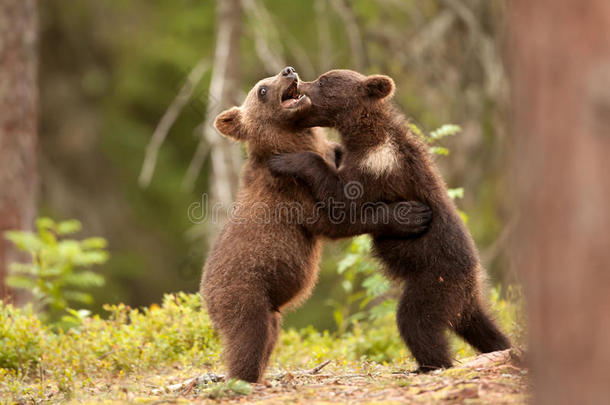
[320, 83]
[262, 91]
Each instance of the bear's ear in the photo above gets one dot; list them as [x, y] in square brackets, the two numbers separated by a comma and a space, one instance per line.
[229, 123]
[379, 86]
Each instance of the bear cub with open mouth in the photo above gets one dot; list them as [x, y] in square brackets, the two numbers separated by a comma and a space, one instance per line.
[266, 258]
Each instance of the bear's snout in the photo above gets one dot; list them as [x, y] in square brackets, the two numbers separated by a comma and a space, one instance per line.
[288, 71]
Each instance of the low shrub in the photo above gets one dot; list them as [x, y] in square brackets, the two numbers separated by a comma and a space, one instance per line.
[21, 338]
[178, 334]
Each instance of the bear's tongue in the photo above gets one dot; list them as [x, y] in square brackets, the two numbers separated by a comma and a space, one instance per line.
[291, 102]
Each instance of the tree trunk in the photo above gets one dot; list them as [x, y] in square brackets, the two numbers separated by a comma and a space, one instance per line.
[560, 60]
[224, 89]
[18, 123]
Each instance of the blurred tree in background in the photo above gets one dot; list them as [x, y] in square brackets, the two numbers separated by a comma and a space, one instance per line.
[112, 71]
[18, 124]
[561, 122]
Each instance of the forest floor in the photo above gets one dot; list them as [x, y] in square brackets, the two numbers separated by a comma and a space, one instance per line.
[169, 354]
[497, 378]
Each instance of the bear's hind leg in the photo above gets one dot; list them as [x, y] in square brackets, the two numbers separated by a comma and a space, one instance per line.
[422, 327]
[480, 331]
[274, 331]
[249, 342]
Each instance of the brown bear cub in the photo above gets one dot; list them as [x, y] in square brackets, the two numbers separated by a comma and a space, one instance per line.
[266, 257]
[441, 269]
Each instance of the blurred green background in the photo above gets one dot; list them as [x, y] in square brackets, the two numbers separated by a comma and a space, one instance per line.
[109, 70]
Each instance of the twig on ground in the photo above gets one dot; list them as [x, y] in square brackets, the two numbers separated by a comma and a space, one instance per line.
[302, 373]
[317, 368]
[189, 387]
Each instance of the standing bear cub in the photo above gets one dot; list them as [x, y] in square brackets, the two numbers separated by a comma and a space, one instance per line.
[441, 269]
[266, 257]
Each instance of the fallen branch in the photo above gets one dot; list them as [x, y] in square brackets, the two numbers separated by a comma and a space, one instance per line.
[487, 360]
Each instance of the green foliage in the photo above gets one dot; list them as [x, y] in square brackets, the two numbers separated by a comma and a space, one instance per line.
[136, 339]
[21, 335]
[59, 268]
[435, 136]
[229, 389]
[378, 339]
[140, 339]
[130, 340]
[363, 284]
[178, 335]
[456, 193]
[444, 131]
[438, 134]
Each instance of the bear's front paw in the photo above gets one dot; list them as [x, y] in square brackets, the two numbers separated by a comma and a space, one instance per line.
[283, 165]
[410, 217]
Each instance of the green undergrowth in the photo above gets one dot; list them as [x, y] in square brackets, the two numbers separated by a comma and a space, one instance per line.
[36, 360]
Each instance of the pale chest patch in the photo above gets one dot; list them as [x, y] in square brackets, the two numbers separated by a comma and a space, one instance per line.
[381, 160]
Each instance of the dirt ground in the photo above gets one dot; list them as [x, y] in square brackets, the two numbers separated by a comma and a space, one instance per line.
[494, 378]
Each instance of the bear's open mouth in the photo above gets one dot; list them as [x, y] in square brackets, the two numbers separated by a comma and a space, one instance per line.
[291, 96]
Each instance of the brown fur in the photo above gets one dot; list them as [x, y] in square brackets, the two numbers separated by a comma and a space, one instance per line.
[441, 268]
[264, 261]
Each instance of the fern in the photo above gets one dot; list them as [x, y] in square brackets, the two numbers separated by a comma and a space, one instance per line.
[58, 271]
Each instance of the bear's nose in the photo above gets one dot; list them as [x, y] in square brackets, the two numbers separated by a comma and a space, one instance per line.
[288, 70]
